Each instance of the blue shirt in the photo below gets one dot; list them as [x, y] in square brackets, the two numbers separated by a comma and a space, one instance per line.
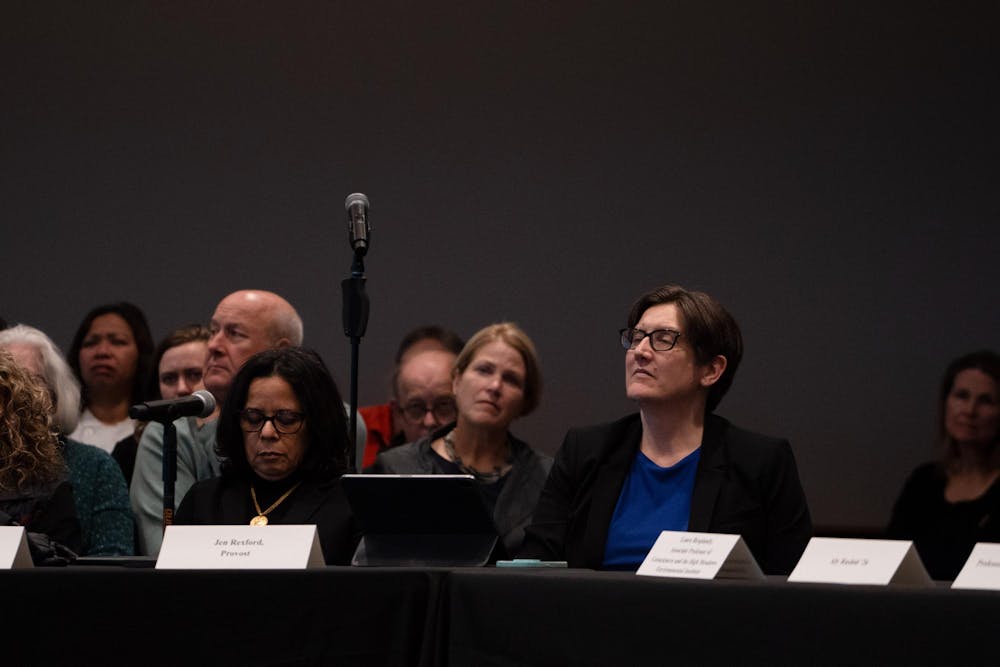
[653, 499]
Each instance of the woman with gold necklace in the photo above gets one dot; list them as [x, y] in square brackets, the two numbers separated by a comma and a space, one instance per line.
[496, 380]
[282, 438]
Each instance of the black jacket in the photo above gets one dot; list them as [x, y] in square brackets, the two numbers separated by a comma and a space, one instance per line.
[226, 501]
[746, 483]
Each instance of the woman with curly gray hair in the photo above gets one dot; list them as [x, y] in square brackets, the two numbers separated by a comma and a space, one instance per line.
[33, 488]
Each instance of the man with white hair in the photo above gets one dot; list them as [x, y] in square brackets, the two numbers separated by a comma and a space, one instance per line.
[244, 323]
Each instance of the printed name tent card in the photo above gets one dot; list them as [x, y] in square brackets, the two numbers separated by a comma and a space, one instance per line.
[14, 552]
[982, 570]
[836, 560]
[700, 556]
[240, 548]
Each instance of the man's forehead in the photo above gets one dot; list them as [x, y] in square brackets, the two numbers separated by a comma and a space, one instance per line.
[426, 370]
[242, 310]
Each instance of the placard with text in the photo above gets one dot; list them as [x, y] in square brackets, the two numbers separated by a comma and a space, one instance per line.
[982, 569]
[14, 552]
[700, 556]
[240, 548]
[838, 560]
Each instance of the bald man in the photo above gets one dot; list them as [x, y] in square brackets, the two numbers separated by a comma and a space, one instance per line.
[244, 323]
[425, 383]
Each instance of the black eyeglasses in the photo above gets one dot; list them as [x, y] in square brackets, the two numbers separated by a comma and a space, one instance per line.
[285, 422]
[444, 411]
[660, 340]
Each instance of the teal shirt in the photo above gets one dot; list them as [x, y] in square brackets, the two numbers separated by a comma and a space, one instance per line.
[101, 499]
[196, 460]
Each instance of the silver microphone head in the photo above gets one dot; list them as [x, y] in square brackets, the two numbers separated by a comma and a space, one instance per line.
[358, 229]
[209, 401]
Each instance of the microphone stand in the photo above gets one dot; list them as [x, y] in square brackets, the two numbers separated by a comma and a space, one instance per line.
[355, 314]
[169, 471]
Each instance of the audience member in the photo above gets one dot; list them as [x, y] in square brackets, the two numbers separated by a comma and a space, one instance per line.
[179, 362]
[675, 465]
[415, 384]
[99, 490]
[282, 437]
[111, 356]
[244, 323]
[495, 381]
[33, 489]
[947, 506]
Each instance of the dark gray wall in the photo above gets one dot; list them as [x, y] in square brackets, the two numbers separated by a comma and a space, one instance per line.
[827, 170]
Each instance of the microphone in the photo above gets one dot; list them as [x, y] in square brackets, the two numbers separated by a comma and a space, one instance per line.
[357, 222]
[199, 404]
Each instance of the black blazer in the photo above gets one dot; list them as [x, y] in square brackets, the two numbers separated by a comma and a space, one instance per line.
[746, 483]
[226, 501]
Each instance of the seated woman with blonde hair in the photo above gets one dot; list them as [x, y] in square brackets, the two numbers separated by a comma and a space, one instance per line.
[34, 492]
[496, 380]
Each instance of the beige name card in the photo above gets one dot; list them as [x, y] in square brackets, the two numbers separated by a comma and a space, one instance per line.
[982, 570]
[836, 560]
[240, 548]
[686, 555]
[14, 552]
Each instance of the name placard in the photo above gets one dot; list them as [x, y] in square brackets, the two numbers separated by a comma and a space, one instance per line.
[14, 552]
[837, 560]
[240, 548]
[700, 556]
[982, 570]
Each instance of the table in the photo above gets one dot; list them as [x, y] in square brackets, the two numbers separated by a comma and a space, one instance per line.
[458, 617]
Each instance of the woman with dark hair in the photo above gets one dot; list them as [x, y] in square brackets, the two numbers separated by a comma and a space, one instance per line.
[282, 438]
[111, 355]
[949, 505]
[33, 488]
[496, 380]
[674, 465]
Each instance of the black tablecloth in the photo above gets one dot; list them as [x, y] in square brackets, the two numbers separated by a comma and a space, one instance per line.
[386, 616]
[114, 616]
[603, 618]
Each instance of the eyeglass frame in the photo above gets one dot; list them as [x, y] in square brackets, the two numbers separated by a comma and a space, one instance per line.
[301, 416]
[631, 345]
[432, 409]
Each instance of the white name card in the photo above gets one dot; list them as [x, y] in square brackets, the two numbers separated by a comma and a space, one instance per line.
[836, 560]
[14, 553]
[240, 548]
[982, 570]
[700, 556]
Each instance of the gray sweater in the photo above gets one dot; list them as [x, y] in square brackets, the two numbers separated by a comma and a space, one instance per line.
[517, 499]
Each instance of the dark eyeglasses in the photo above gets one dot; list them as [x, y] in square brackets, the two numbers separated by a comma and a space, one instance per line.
[285, 422]
[660, 340]
[444, 411]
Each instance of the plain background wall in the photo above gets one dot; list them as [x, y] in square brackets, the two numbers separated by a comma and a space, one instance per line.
[827, 170]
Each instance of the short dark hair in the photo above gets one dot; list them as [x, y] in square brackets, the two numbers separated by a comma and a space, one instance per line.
[325, 422]
[986, 361]
[136, 321]
[709, 328]
[449, 340]
[182, 336]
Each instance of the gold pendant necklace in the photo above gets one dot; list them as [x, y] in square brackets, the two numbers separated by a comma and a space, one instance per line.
[261, 518]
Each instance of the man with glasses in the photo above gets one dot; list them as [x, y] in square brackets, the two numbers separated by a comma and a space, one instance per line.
[421, 392]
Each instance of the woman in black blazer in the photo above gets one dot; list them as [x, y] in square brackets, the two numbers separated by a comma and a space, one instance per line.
[674, 465]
